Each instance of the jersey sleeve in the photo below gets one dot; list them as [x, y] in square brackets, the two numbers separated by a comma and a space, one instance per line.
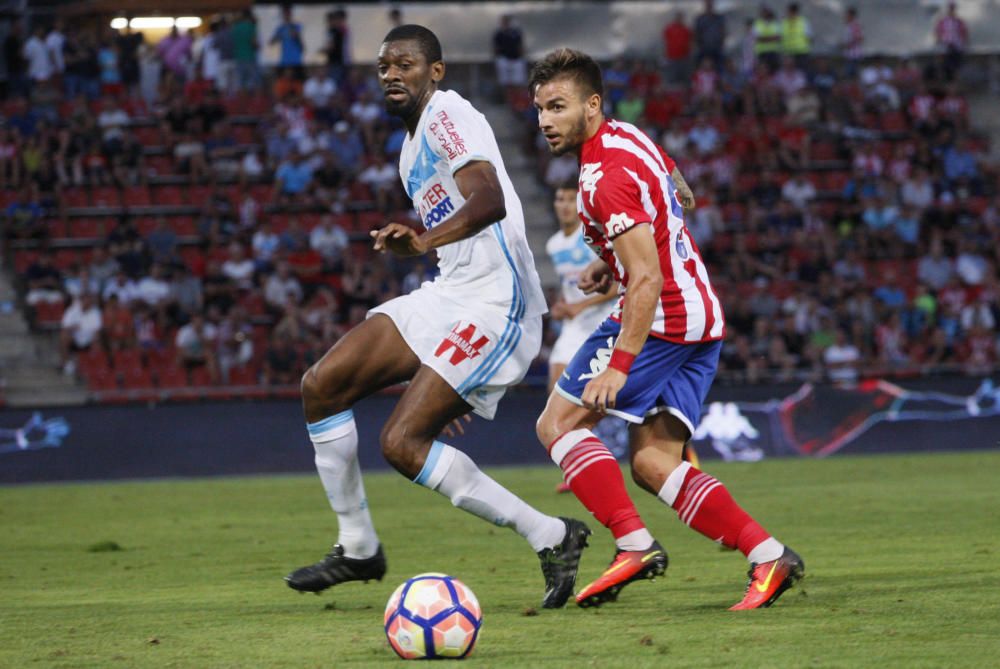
[617, 203]
[458, 134]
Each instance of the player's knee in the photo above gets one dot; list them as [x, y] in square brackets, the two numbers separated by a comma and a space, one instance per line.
[399, 449]
[545, 430]
[322, 389]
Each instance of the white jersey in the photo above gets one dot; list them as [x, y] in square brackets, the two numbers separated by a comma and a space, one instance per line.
[570, 256]
[493, 268]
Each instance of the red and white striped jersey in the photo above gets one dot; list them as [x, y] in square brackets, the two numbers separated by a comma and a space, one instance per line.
[625, 181]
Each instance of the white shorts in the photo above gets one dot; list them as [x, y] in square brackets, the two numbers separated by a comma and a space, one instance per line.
[574, 333]
[479, 352]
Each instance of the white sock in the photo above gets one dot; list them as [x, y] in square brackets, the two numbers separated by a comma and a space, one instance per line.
[765, 551]
[637, 540]
[336, 442]
[454, 475]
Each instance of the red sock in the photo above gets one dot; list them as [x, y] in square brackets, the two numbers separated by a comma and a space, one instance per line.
[593, 475]
[705, 505]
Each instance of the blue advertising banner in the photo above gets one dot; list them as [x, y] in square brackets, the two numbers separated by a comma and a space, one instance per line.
[739, 423]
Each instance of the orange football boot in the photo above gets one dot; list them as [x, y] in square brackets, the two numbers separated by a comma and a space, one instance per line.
[769, 579]
[627, 566]
[691, 455]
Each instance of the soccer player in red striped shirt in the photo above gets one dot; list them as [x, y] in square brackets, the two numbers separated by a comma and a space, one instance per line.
[654, 359]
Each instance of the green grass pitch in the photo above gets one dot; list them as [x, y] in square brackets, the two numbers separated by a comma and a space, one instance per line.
[902, 555]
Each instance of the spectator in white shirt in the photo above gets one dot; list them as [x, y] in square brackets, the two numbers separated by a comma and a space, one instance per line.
[238, 268]
[704, 136]
[970, 266]
[935, 269]
[81, 324]
[265, 244]
[329, 240]
[319, 88]
[54, 42]
[196, 343]
[123, 287]
[799, 191]
[153, 289]
[383, 179]
[282, 288]
[40, 66]
[841, 359]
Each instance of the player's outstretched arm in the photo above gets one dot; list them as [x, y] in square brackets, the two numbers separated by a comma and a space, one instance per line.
[484, 205]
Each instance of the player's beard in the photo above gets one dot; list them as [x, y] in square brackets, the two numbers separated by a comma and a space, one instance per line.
[401, 108]
[572, 140]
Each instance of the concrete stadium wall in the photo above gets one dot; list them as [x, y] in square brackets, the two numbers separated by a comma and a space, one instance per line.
[234, 438]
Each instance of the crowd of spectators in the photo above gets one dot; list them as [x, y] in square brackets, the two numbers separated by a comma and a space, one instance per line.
[845, 206]
[262, 278]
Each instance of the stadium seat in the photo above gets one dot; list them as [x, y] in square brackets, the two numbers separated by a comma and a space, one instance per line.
[128, 358]
[200, 376]
[136, 196]
[160, 165]
[86, 228]
[49, 313]
[169, 196]
[105, 196]
[184, 226]
[147, 135]
[171, 376]
[75, 197]
[370, 220]
[103, 381]
[136, 377]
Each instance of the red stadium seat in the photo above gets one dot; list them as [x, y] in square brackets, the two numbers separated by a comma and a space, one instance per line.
[200, 377]
[103, 381]
[49, 313]
[171, 376]
[170, 196]
[136, 377]
[136, 196]
[75, 197]
[370, 220]
[129, 358]
[160, 165]
[184, 226]
[105, 196]
[84, 228]
[148, 135]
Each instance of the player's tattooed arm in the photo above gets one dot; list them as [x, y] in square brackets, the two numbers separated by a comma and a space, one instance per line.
[484, 205]
[684, 192]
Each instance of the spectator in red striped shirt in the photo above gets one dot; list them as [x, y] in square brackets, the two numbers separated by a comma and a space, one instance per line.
[952, 37]
[852, 42]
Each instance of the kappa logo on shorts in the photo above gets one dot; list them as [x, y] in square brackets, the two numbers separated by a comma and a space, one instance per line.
[600, 361]
[461, 340]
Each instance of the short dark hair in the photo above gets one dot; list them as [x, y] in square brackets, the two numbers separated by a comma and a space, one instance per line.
[572, 184]
[425, 39]
[570, 63]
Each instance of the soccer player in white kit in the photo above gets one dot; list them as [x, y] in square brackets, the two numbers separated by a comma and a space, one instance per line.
[460, 340]
[580, 313]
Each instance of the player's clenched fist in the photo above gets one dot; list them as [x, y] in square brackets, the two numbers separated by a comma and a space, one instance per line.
[601, 391]
[595, 278]
[400, 239]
